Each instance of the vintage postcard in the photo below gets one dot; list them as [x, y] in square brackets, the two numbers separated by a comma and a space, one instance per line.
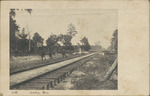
[98, 47]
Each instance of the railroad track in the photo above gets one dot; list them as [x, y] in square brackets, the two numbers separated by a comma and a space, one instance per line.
[37, 65]
[45, 78]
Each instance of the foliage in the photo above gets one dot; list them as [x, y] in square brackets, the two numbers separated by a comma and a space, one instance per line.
[13, 29]
[71, 30]
[66, 38]
[22, 44]
[85, 44]
[37, 39]
[52, 41]
[28, 10]
[15, 42]
[23, 35]
[36, 43]
[96, 48]
[114, 41]
[12, 13]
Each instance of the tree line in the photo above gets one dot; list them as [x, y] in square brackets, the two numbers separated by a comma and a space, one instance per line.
[21, 42]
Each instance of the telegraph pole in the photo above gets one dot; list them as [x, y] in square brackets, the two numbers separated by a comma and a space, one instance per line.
[29, 38]
[29, 42]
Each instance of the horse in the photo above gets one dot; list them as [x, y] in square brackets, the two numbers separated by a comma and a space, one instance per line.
[50, 54]
[63, 53]
[43, 54]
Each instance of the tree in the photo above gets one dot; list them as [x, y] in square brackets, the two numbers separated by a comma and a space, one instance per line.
[71, 30]
[114, 41]
[37, 42]
[14, 28]
[28, 10]
[13, 13]
[23, 42]
[52, 40]
[37, 39]
[23, 35]
[52, 44]
[85, 44]
[66, 38]
[66, 41]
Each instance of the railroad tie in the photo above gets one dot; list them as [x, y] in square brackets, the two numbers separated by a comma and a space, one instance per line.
[63, 76]
[48, 86]
[55, 82]
[44, 87]
[52, 84]
[58, 79]
[66, 74]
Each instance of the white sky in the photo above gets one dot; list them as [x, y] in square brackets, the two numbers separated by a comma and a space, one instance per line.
[96, 25]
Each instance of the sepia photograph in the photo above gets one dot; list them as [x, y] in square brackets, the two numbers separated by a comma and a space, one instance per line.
[63, 49]
[74, 47]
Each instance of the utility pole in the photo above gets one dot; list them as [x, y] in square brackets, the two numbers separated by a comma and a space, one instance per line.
[29, 31]
[29, 43]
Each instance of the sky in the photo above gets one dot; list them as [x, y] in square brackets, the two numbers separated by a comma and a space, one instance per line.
[96, 25]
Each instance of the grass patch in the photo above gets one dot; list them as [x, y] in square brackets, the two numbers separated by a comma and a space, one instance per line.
[89, 75]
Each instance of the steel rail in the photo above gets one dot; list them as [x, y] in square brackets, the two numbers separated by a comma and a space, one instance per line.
[26, 75]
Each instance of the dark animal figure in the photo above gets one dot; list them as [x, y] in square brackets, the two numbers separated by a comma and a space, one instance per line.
[63, 53]
[43, 54]
[50, 54]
